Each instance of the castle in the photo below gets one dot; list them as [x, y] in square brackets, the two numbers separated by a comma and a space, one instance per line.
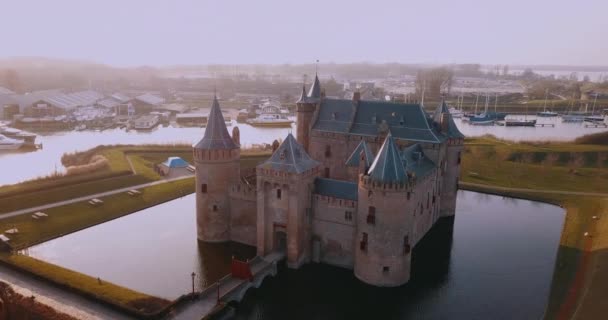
[363, 182]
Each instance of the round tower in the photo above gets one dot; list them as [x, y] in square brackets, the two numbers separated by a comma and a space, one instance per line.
[217, 162]
[384, 221]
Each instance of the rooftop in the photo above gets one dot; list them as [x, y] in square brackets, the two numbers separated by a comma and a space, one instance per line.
[368, 118]
[291, 157]
[336, 188]
[388, 165]
[216, 134]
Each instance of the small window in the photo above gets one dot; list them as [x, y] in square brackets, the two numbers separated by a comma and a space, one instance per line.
[363, 243]
[326, 172]
[214, 208]
[278, 193]
[458, 159]
[433, 199]
[371, 215]
[348, 216]
[385, 269]
[406, 245]
[408, 196]
[204, 188]
[327, 151]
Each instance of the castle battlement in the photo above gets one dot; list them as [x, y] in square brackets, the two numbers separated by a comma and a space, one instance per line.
[363, 182]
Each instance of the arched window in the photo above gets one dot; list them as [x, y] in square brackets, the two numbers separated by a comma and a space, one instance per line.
[327, 151]
[371, 215]
[278, 193]
[204, 188]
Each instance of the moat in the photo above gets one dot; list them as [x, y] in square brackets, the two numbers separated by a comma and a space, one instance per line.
[494, 261]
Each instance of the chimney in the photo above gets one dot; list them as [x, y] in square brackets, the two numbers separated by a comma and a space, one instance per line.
[236, 136]
[356, 96]
[444, 122]
[362, 162]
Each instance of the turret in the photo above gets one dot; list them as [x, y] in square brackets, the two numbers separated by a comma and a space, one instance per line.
[443, 120]
[284, 184]
[216, 158]
[305, 109]
[384, 220]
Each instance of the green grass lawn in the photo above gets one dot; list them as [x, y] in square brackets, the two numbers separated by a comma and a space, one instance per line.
[486, 161]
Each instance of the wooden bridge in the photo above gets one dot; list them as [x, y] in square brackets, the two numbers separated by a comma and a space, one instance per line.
[228, 289]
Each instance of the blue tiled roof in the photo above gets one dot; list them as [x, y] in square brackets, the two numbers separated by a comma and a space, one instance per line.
[416, 162]
[216, 134]
[290, 157]
[336, 188]
[388, 166]
[405, 121]
[353, 160]
[453, 131]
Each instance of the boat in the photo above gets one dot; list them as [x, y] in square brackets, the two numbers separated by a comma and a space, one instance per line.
[594, 119]
[455, 113]
[516, 123]
[487, 117]
[9, 143]
[147, 122]
[573, 117]
[545, 113]
[270, 120]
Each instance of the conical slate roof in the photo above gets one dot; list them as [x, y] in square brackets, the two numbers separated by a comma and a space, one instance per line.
[303, 97]
[388, 165]
[290, 157]
[216, 135]
[315, 90]
[353, 160]
[453, 131]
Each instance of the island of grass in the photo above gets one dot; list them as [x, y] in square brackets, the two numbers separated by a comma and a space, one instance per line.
[572, 175]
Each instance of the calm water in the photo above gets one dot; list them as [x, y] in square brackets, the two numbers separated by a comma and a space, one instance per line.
[495, 261]
[153, 251]
[24, 166]
[29, 165]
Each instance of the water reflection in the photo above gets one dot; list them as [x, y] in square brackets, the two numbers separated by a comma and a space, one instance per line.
[493, 261]
[153, 251]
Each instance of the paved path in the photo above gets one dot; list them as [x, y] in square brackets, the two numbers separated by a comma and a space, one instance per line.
[59, 299]
[565, 192]
[89, 197]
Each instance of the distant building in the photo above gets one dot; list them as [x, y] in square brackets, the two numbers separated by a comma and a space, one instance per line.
[363, 183]
[146, 103]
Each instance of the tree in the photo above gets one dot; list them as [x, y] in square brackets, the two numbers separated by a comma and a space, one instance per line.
[505, 70]
[12, 80]
[434, 82]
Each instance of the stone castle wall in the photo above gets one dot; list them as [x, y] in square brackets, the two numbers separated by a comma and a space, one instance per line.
[333, 227]
[243, 214]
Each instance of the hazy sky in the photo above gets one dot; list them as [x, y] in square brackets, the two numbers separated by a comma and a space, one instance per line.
[138, 32]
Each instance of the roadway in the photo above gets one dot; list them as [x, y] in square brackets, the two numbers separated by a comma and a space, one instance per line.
[59, 299]
[89, 197]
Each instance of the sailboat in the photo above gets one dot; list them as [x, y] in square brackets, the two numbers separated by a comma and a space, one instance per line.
[456, 112]
[593, 117]
[546, 113]
[483, 119]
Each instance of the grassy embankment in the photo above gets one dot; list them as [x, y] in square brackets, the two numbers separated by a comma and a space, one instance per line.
[73, 217]
[489, 165]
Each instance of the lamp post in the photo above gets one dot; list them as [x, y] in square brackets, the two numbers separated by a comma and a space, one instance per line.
[193, 275]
